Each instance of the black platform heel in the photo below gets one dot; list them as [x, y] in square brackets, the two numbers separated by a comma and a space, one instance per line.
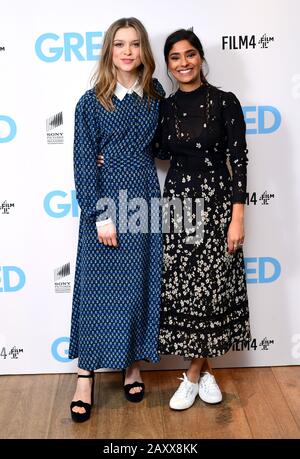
[138, 396]
[81, 417]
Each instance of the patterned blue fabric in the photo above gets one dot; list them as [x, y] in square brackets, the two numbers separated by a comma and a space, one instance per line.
[116, 298]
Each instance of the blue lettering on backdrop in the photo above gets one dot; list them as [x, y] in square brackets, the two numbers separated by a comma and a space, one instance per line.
[258, 115]
[56, 351]
[60, 210]
[259, 270]
[75, 46]
[12, 129]
[7, 279]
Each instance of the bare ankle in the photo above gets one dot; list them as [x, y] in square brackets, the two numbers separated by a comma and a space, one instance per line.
[193, 375]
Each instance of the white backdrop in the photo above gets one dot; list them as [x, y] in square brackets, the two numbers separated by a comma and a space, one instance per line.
[47, 55]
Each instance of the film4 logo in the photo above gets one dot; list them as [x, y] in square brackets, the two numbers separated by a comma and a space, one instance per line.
[13, 353]
[264, 198]
[246, 41]
[252, 345]
[265, 343]
[5, 207]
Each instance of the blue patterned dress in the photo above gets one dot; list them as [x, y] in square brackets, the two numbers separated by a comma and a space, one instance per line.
[116, 298]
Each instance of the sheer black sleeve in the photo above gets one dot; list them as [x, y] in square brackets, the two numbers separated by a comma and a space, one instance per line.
[235, 129]
[157, 145]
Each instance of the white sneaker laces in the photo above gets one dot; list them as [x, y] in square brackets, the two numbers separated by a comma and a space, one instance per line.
[208, 381]
[185, 387]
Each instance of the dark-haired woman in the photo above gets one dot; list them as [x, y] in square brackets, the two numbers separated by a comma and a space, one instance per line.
[204, 306]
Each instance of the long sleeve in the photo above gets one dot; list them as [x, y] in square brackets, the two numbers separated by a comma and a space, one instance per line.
[86, 141]
[237, 151]
[157, 148]
[157, 145]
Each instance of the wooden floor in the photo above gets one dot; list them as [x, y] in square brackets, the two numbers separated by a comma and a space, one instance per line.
[258, 403]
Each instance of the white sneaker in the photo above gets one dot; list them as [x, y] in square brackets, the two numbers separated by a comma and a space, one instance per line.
[209, 390]
[185, 395]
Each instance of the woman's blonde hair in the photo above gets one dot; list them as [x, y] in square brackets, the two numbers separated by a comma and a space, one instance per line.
[104, 79]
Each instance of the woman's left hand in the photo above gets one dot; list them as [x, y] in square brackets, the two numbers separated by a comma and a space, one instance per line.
[100, 160]
[235, 235]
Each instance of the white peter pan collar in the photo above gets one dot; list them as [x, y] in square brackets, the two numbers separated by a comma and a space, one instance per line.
[121, 91]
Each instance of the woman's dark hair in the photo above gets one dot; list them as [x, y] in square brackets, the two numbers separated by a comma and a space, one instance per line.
[191, 37]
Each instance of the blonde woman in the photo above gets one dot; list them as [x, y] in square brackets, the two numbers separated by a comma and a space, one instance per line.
[115, 315]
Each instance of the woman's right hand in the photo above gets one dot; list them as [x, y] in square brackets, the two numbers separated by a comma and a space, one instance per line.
[107, 235]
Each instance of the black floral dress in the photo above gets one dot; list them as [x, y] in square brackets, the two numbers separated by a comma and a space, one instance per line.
[204, 308]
